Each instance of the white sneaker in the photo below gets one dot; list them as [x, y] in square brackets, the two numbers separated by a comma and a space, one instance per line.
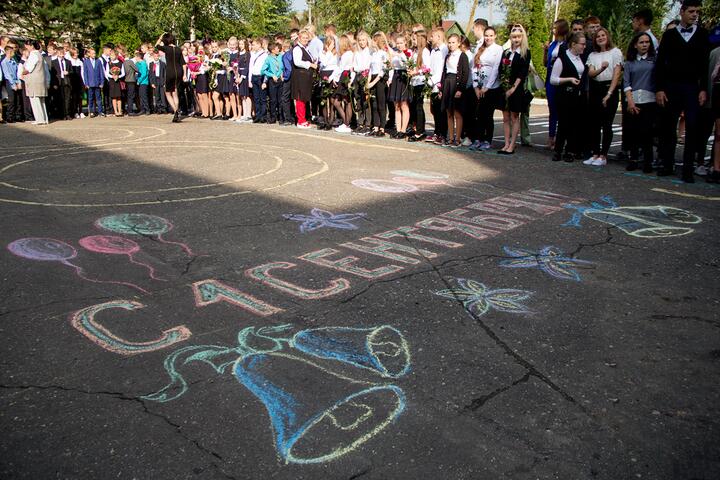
[591, 160]
[343, 129]
[701, 170]
[303, 125]
[466, 142]
[82, 115]
[77, 116]
[600, 162]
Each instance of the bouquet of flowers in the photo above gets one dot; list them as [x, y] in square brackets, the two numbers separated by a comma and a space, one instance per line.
[115, 71]
[427, 85]
[505, 76]
[326, 90]
[194, 63]
[214, 65]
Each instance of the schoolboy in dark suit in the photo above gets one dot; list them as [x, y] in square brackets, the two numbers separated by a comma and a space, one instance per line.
[157, 82]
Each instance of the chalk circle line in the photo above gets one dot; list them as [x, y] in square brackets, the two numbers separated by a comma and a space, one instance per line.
[53, 250]
[322, 167]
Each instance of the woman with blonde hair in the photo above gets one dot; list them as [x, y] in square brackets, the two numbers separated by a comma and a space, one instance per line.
[377, 84]
[514, 69]
[400, 92]
[343, 78]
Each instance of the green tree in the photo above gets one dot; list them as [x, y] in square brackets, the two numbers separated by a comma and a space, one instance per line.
[386, 15]
[616, 15]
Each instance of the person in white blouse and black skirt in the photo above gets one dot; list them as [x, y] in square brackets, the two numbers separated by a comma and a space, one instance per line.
[304, 66]
[516, 60]
[568, 74]
[454, 83]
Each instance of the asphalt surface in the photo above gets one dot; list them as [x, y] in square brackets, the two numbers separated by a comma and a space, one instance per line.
[535, 319]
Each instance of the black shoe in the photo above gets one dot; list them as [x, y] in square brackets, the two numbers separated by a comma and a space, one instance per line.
[569, 157]
[713, 177]
[665, 172]
[556, 157]
[413, 138]
[647, 169]
[631, 166]
[176, 118]
[688, 177]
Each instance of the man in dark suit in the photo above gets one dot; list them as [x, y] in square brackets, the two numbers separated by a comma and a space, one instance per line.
[61, 73]
[681, 84]
[156, 76]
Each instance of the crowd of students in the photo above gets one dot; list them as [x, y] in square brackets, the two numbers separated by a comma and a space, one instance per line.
[377, 85]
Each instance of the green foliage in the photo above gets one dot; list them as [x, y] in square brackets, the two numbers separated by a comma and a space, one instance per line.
[386, 15]
[711, 13]
[534, 16]
[616, 16]
[264, 17]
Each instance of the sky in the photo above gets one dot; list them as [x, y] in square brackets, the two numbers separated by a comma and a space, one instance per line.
[462, 10]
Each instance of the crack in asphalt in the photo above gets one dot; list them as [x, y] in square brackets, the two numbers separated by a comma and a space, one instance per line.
[479, 402]
[124, 397]
[685, 317]
[608, 241]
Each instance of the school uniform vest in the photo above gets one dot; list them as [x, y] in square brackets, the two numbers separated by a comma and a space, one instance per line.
[302, 79]
[569, 71]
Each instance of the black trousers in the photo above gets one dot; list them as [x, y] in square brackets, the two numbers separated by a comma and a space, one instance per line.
[602, 117]
[65, 100]
[640, 130]
[107, 101]
[483, 128]
[14, 100]
[144, 98]
[287, 102]
[161, 105]
[681, 98]
[571, 110]
[364, 117]
[440, 117]
[131, 94]
[274, 88]
[27, 108]
[418, 108]
[378, 104]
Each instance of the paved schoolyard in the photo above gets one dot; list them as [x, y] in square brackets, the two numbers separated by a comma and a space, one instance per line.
[208, 300]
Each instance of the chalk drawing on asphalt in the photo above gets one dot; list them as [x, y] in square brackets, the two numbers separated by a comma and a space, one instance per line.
[478, 299]
[319, 218]
[550, 260]
[641, 222]
[52, 250]
[140, 224]
[113, 245]
[329, 413]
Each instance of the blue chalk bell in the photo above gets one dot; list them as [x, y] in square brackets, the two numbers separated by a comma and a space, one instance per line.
[382, 349]
[317, 415]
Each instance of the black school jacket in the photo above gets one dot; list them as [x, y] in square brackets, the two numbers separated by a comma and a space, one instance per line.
[519, 67]
[463, 72]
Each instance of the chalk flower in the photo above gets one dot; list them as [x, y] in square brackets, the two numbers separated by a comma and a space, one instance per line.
[478, 299]
[322, 218]
[550, 260]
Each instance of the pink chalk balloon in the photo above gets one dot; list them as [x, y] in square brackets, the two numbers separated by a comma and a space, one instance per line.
[109, 244]
[114, 245]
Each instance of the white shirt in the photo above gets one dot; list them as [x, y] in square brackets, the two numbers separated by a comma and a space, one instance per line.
[328, 61]
[614, 58]
[558, 67]
[487, 74]
[345, 64]
[257, 59]
[469, 55]
[686, 35]
[362, 59]
[437, 61]
[451, 63]
[377, 63]
[419, 79]
[32, 61]
[315, 47]
[298, 57]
